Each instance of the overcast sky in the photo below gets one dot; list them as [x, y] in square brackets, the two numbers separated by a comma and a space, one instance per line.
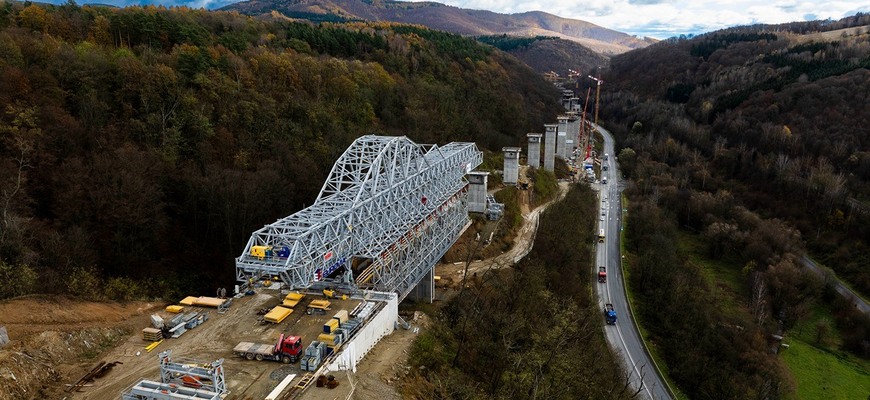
[666, 18]
[656, 18]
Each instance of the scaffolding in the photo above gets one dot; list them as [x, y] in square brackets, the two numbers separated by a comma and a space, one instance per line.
[192, 373]
[182, 380]
[395, 205]
[150, 390]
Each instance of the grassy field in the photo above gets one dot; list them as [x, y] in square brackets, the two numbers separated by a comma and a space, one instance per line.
[820, 370]
[820, 374]
[723, 275]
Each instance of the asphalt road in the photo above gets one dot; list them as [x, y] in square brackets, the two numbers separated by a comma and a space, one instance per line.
[623, 336]
[841, 288]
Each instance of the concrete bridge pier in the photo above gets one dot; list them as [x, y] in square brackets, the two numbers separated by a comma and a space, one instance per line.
[425, 290]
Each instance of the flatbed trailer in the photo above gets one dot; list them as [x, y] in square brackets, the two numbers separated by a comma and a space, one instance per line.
[287, 350]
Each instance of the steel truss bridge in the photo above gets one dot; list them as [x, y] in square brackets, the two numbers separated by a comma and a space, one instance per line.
[390, 209]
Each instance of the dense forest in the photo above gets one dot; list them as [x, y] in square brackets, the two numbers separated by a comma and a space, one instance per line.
[752, 142]
[533, 331]
[546, 53]
[142, 146]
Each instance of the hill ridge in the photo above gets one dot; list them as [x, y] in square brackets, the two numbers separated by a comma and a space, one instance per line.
[452, 19]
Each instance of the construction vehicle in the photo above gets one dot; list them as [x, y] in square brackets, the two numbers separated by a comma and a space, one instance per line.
[263, 252]
[609, 314]
[602, 275]
[287, 350]
[318, 307]
[601, 235]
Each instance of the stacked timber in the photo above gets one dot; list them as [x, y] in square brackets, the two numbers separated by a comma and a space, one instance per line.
[202, 301]
[208, 301]
[340, 316]
[152, 334]
[188, 301]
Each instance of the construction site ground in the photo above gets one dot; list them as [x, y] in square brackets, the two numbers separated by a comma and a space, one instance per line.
[54, 341]
[57, 340]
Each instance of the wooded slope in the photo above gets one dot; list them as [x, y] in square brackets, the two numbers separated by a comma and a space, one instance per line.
[745, 149]
[142, 146]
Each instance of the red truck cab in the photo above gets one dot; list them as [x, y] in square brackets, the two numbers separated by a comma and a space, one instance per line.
[289, 346]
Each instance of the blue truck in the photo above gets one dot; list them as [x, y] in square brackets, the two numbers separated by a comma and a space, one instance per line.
[609, 314]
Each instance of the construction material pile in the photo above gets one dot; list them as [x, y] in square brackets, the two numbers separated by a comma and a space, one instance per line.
[152, 334]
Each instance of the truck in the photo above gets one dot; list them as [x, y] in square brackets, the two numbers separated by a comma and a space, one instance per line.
[602, 275]
[287, 350]
[609, 314]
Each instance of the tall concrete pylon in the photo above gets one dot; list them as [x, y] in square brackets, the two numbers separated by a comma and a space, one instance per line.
[561, 136]
[511, 165]
[477, 181]
[534, 157]
[549, 145]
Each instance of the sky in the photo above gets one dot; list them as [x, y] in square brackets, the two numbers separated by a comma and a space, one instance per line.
[660, 19]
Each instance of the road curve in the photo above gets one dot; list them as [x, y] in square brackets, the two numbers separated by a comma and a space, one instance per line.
[838, 285]
[623, 336]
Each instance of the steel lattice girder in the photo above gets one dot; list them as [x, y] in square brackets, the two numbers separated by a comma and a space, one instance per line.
[379, 191]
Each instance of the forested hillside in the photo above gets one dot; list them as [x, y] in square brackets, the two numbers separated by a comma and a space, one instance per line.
[142, 146]
[746, 148]
[532, 331]
[545, 54]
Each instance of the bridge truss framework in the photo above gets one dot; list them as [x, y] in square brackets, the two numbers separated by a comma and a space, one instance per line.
[388, 202]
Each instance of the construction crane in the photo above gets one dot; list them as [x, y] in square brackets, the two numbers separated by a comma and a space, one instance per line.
[597, 93]
[583, 125]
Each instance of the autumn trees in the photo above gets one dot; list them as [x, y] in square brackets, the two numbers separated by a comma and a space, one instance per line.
[744, 140]
[533, 331]
[148, 141]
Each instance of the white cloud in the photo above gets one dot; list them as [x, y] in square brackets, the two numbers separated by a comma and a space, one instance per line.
[665, 18]
[657, 18]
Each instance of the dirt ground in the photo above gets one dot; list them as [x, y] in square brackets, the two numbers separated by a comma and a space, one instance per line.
[55, 341]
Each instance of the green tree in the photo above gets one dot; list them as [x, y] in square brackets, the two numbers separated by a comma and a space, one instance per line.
[18, 280]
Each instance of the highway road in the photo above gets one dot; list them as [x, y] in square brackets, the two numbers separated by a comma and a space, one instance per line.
[623, 336]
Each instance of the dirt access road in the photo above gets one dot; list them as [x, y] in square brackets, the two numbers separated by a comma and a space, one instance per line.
[523, 244]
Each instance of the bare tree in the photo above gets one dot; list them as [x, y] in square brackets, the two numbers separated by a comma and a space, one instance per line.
[758, 301]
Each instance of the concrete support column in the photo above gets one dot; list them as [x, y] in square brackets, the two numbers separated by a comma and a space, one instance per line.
[425, 290]
[511, 165]
[549, 146]
[561, 136]
[534, 156]
[477, 181]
